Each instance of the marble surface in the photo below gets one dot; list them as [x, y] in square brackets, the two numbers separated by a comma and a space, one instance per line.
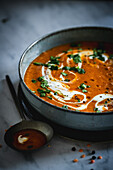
[21, 23]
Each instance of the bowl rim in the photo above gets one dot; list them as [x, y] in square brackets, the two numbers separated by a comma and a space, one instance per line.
[41, 38]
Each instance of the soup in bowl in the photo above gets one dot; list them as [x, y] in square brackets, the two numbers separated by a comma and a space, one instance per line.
[67, 77]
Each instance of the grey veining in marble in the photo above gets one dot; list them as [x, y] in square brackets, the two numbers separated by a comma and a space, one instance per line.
[21, 23]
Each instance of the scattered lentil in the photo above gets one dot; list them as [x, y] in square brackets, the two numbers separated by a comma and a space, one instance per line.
[83, 156]
[80, 150]
[75, 160]
[88, 145]
[73, 149]
[93, 157]
[93, 152]
[92, 161]
[99, 157]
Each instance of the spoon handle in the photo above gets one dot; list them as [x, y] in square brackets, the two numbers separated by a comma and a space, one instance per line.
[15, 98]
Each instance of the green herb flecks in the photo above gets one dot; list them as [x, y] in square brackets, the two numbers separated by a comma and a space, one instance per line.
[53, 67]
[54, 60]
[33, 81]
[50, 97]
[82, 86]
[67, 51]
[41, 64]
[97, 53]
[55, 93]
[76, 69]
[84, 91]
[65, 107]
[64, 74]
[79, 49]
[40, 78]
[67, 80]
[43, 92]
[76, 58]
[95, 109]
[81, 70]
[44, 83]
[111, 56]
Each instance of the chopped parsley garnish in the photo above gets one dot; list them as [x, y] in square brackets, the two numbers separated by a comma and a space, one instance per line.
[76, 69]
[55, 93]
[95, 109]
[38, 64]
[67, 80]
[106, 102]
[53, 67]
[111, 56]
[76, 58]
[43, 92]
[97, 53]
[41, 64]
[77, 110]
[81, 70]
[33, 81]
[65, 107]
[40, 78]
[78, 100]
[80, 49]
[33, 91]
[64, 74]
[54, 60]
[84, 91]
[49, 97]
[66, 68]
[67, 51]
[44, 84]
[82, 86]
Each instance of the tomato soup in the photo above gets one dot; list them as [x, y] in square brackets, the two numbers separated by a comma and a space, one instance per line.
[77, 76]
[28, 139]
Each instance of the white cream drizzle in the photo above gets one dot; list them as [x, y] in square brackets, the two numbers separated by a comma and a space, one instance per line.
[21, 139]
[64, 90]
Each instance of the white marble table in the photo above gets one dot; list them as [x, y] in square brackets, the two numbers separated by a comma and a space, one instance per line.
[21, 23]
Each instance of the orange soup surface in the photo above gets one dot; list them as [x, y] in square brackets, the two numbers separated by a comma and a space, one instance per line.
[76, 76]
[28, 139]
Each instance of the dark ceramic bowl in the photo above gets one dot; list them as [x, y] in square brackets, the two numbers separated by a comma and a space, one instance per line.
[67, 118]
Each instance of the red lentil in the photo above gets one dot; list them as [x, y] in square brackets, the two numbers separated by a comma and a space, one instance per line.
[75, 160]
[88, 145]
[83, 156]
[80, 150]
[92, 161]
[99, 157]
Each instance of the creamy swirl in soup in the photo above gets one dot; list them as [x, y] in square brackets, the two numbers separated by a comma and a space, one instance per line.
[76, 76]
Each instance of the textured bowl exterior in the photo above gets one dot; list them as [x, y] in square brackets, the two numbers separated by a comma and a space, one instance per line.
[68, 118]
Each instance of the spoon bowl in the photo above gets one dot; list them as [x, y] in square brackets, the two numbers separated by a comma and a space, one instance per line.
[35, 125]
[39, 127]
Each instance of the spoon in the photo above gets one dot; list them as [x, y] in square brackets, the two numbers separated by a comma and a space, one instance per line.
[24, 125]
